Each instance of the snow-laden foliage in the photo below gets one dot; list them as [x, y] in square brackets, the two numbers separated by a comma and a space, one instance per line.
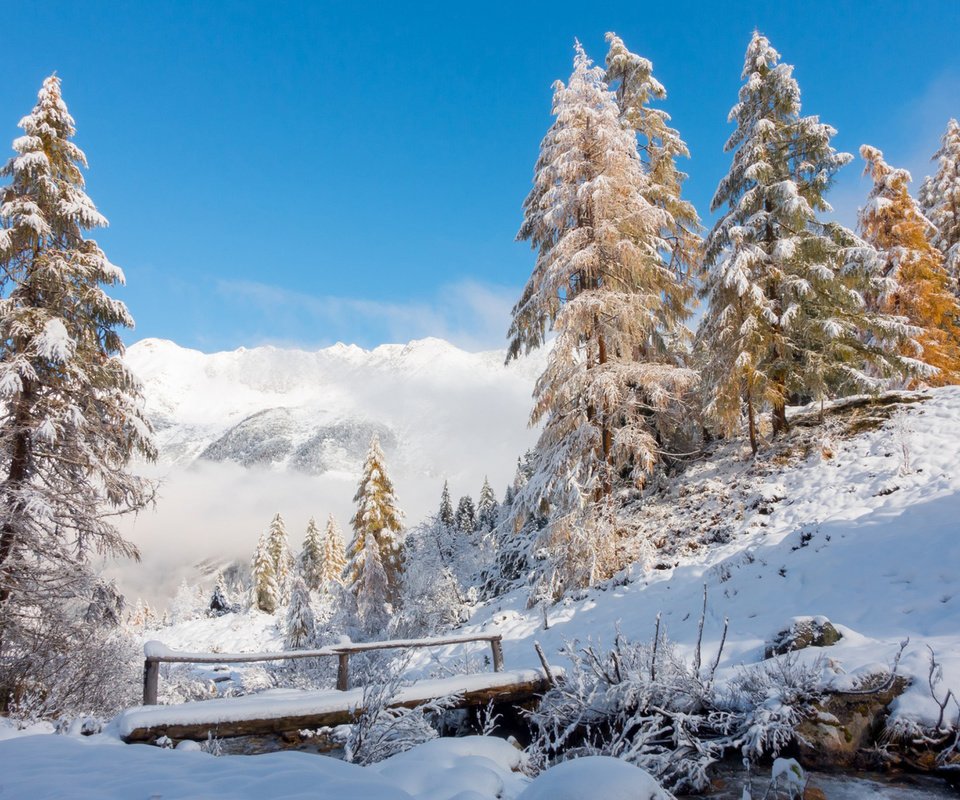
[301, 625]
[381, 731]
[645, 704]
[73, 415]
[310, 562]
[786, 320]
[372, 589]
[940, 200]
[603, 283]
[278, 548]
[378, 517]
[660, 146]
[488, 509]
[334, 555]
[466, 519]
[908, 269]
[265, 591]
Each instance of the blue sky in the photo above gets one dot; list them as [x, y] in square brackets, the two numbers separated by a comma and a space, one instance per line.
[305, 173]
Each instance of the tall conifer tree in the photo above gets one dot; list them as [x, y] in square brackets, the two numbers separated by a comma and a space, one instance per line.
[334, 555]
[601, 282]
[73, 414]
[310, 562]
[786, 315]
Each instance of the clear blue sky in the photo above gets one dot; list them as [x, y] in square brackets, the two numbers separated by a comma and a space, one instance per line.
[303, 173]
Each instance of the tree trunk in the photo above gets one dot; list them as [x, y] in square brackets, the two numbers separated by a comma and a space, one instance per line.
[16, 477]
[752, 422]
[779, 414]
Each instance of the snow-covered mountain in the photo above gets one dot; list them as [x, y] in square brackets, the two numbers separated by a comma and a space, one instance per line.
[252, 432]
[314, 412]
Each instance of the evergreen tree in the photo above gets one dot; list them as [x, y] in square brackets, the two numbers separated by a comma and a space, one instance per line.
[445, 514]
[310, 562]
[106, 605]
[219, 604]
[73, 415]
[940, 200]
[266, 592]
[300, 623]
[488, 510]
[660, 147]
[602, 283]
[918, 286]
[372, 588]
[279, 549]
[466, 515]
[786, 313]
[334, 556]
[378, 517]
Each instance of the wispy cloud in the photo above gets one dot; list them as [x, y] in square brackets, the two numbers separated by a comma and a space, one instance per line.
[469, 314]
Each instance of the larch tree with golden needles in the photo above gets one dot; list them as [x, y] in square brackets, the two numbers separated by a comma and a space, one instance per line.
[916, 283]
[603, 283]
[379, 519]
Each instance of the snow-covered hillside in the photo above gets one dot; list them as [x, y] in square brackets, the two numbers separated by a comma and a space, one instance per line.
[855, 519]
[249, 433]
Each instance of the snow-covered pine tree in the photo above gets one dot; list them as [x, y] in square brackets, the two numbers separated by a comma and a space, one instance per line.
[466, 519]
[917, 285]
[219, 604]
[445, 514]
[786, 316]
[310, 562]
[106, 605]
[300, 623]
[660, 146]
[73, 414]
[940, 201]
[601, 282]
[488, 509]
[278, 546]
[334, 554]
[378, 517]
[266, 592]
[372, 588]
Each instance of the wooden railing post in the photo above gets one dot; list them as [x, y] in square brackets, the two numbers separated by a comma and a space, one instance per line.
[151, 681]
[497, 648]
[343, 671]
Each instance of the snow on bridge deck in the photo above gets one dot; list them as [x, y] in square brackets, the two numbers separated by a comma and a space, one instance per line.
[282, 710]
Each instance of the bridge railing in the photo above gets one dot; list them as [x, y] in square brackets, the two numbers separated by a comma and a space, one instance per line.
[156, 653]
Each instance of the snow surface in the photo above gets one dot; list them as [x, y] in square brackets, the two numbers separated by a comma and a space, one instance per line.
[594, 777]
[99, 768]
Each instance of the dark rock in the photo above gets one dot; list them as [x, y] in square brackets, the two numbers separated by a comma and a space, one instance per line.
[803, 632]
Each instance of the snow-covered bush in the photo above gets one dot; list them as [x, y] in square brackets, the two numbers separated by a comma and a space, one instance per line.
[381, 731]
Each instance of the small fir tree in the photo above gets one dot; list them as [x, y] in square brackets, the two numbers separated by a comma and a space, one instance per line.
[266, 592]
[378, 517]
[310, 562]
[466, 519]
[373, 589]
[445, 514]
[488, 509]
[334, 555]
[940, 201]
[300, 623]
[278, 546]
[786, 316]
[219, 604]
[916, 284]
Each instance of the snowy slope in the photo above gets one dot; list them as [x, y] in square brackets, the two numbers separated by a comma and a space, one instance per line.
[252, 432]
[863, 530]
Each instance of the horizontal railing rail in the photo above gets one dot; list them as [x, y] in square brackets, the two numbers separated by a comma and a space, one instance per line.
[155, 654]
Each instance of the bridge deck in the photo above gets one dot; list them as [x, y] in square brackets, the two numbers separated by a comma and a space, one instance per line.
[282, 710]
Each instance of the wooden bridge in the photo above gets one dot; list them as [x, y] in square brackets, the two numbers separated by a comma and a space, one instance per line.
[281, 711]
